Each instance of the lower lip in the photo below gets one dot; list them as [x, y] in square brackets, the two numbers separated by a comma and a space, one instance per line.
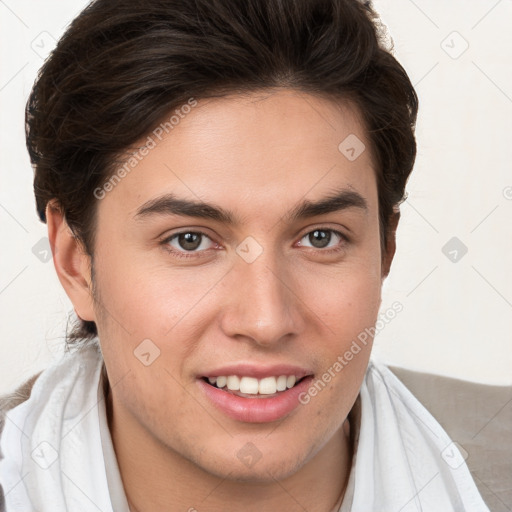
[256, 410]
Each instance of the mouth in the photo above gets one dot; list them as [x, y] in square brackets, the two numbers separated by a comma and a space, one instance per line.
[251, 387]
[263, 396]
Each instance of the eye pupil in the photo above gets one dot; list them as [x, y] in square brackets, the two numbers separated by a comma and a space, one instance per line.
[189, 241]
[319, 238]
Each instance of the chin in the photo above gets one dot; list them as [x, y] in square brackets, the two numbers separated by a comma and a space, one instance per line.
[262, 472]
[244, 462]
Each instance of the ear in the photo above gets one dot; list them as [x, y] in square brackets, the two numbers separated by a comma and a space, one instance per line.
[390, 248]
[72, 263]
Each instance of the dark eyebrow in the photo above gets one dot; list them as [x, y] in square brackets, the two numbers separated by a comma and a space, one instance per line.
[340, 200]
[169, 204]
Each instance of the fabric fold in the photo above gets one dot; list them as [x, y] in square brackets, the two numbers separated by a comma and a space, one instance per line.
[53, 459]
[405, 460]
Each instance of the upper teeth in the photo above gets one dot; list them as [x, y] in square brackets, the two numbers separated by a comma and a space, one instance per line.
[253, 386]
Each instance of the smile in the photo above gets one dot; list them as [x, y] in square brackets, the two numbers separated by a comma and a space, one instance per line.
[253, 400]
[251, 387]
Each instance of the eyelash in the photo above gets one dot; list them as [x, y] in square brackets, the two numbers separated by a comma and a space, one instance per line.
[193, 254]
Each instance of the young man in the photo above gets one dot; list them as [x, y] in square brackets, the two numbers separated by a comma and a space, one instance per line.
[221, 182]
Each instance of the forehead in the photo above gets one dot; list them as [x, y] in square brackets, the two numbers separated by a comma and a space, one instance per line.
[255, 151]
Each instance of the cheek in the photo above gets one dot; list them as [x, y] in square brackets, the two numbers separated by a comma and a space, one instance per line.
[348, 304]
[347, 301]
[348, 309]
[150, 298]
[152, 314]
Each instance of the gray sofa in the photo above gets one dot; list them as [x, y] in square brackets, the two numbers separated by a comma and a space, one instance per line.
[479, 418]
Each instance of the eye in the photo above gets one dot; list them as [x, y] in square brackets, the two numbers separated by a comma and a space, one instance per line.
[322, 238]
[188, 241]
[191, 243]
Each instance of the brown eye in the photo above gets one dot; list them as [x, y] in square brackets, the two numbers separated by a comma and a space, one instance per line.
[319, 238]
[188, 241]
[322, 238]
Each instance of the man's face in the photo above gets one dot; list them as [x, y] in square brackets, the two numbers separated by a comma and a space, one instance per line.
[276, 291]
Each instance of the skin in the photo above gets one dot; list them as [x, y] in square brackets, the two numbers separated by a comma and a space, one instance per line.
[258, 156]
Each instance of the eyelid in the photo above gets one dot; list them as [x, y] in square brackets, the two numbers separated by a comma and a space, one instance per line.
[336, 228]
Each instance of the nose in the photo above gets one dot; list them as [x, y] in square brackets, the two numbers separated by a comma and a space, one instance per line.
[263, 304]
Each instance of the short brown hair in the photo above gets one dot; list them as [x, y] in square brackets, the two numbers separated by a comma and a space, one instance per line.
[122, 65]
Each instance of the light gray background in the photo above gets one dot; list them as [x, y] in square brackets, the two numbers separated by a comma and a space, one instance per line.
[457, 308]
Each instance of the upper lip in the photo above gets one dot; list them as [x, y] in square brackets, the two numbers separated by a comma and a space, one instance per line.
[258, 372]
